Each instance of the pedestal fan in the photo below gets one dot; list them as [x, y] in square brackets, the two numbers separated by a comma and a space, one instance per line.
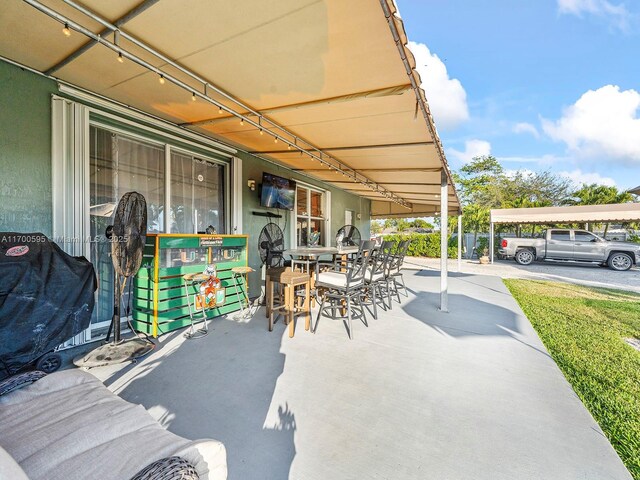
[127, 236]
[271, 245]
[271, 249]
[350, 236]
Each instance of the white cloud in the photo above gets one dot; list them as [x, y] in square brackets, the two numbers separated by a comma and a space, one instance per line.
[446, 96]
[542, 160]
[472, 148]
[524, 171]
[524, 127]
[617, 15]
[603, 124]
[578, 177]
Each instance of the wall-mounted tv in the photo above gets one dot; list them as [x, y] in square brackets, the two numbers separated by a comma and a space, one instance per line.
[277, 192]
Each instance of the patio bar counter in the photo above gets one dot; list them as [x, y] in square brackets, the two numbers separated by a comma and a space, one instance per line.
[159, 300]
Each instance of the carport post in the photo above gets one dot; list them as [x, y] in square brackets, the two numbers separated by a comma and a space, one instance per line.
[444, 244]
[459, 243]
[491, 242]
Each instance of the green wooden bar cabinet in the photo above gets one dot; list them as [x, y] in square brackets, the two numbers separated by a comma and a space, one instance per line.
[160, 302]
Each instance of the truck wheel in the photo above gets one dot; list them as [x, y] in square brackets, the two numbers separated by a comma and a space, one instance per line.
[620, 261]
[524, 257]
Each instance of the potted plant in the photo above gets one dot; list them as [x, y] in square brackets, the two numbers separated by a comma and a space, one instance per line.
[483, 249]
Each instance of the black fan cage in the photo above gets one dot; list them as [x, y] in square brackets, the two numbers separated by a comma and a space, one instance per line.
[350, 236]
[271, 245]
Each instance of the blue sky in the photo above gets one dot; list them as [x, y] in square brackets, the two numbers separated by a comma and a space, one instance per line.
[541, 85]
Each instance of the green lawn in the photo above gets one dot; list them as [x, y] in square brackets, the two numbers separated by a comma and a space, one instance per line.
[584, 330]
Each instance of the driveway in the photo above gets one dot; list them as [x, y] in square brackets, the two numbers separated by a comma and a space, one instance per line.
[590, 275]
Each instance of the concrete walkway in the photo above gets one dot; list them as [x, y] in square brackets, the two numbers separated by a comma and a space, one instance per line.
[419, 394]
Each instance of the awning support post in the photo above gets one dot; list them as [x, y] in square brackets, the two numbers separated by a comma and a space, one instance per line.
[459, 243]
[444, 244]
[491, 229]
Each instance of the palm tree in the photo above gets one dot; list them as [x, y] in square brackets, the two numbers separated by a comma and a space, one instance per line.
[475, 218]
[595, 194]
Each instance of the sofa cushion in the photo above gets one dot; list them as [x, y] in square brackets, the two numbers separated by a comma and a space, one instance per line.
[9, 469]
[69, 426]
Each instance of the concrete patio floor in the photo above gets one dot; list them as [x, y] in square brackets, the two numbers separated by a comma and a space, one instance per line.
[419, 394]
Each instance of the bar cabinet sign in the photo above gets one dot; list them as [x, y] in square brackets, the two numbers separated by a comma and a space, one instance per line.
[160, 302]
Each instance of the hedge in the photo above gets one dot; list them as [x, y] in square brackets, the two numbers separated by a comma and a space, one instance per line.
[424, 244]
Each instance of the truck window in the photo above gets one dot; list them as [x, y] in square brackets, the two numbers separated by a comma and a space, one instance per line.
[561, 235]
[584, 237]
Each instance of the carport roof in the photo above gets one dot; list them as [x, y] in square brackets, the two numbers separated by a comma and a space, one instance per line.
[619, 212]
[331, 78]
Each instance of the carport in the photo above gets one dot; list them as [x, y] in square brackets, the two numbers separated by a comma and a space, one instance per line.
[619, 212]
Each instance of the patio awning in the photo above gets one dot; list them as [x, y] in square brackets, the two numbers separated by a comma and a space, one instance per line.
[331, 80]
[635, 191]
[621, 212]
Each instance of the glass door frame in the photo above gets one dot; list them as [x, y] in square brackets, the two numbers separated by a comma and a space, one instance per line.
[324, 219]
[168, 150]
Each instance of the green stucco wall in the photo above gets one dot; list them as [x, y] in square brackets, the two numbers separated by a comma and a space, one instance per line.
[25, 168]
[25, 150]
[252, 168]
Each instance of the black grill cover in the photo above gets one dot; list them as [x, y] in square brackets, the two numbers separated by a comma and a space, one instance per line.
[46, 297]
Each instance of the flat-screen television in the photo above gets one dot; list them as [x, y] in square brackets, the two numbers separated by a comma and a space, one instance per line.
[277, 192]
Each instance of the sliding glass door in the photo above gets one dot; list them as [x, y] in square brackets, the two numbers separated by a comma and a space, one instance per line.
[118, 165]
[121, 163]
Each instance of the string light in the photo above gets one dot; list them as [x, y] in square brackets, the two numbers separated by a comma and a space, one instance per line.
[351, 175]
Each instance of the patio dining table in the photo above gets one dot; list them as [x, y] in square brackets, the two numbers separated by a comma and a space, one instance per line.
[310, 255]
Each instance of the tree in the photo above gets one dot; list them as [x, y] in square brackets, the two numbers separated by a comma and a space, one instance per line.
[402, 225]
[390, 223]
[376, 227]
[535, 189]
[475, 218]
[420, 223]
[595, 194]
[479, 182]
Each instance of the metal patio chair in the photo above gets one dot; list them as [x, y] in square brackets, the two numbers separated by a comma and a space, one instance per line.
[343, 285]
[376, 279]
[395, 270]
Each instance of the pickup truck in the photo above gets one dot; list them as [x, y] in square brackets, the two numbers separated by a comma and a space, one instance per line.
[571, 246]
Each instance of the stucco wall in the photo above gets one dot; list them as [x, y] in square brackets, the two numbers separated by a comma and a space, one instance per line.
[25, 150]
[25, 168]
[252, 168]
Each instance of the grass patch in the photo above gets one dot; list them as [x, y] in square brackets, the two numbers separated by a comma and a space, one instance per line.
[584, 330]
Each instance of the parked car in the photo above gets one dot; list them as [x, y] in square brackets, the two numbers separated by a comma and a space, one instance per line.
[569, 245]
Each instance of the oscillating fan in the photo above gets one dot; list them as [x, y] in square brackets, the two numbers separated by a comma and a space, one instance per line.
[350, 236]
[127, 236]
[271, 245]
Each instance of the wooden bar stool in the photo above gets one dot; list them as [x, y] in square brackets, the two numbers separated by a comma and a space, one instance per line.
[240, 276]
[289, 280]
[272, 275]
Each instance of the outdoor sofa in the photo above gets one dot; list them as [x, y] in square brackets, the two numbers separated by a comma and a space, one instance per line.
[68, 425]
